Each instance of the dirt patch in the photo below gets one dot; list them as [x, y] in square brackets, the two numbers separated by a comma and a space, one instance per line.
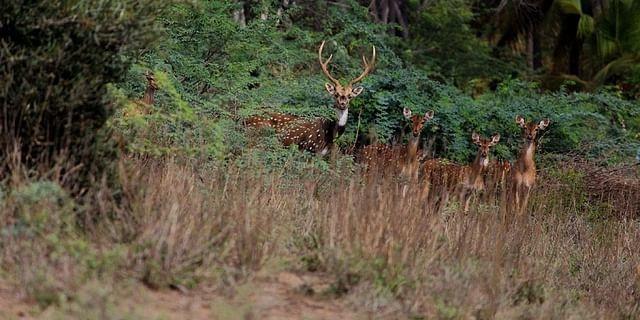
[12, 306]
[283, 296]
[291, 296]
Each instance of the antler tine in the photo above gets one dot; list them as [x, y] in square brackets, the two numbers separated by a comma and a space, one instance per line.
[368, 66]
[325, 65]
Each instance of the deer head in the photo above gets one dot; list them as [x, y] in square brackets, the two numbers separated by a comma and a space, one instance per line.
[530, 130]
[417, 121]
[343, 94]
[483, 147]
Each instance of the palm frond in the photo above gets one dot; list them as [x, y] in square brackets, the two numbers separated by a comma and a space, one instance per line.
[586, 26]
[570, 6]
[605, 45]
[616, 67]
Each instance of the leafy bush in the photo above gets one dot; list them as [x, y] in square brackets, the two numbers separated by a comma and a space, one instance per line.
[39, 238]
[444, 42]
[57, 57]
[209, 82]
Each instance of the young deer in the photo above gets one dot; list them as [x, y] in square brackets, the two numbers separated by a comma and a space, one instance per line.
[443, 178]
[149, 93]
[407, 157]
[142, 106]
[317, 135]
[473, 175]
[523, 173]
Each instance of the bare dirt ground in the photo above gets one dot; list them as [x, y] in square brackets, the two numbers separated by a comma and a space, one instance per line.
[282, 296]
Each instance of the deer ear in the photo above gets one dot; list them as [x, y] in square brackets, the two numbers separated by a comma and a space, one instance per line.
[520, 121]
[495, 139]
[428, 115]
[475, 138]
[356, 91]
[407, 113]
[544, 123]
[330, 88]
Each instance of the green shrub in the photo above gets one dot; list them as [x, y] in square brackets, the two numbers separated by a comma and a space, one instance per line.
[57, 58]
[210, 82]
[39, 237]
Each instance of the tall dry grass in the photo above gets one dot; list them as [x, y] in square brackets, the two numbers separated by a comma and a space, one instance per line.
[384, 244]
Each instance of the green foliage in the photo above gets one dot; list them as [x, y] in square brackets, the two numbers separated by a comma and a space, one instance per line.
[57, 58]
[40, 209]
[212, 72]
[443, 42]
[39, 237]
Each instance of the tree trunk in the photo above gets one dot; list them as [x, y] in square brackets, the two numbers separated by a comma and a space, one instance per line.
[534, 52]
[391, 11]
[574, 57]
[401, 17]
[239, 17]
[568, 46]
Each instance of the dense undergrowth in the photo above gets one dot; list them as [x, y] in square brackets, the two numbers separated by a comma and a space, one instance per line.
[208, 83]
[180, 224]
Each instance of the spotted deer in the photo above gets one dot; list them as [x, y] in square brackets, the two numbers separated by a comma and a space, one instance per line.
[317, 135]
[523, 173]
[138, 107]
[440, 178]
[473, 175]
[497, 177]
[149, 94]
[143, 106]
[406, 157]
[443, 178]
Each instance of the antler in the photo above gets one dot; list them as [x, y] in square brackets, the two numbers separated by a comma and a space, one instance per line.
[325, 66]
[368, 66]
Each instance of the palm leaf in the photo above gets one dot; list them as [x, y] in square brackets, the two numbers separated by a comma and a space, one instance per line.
[605, 45]
[616, 67]
[570, 6]
[585, 26]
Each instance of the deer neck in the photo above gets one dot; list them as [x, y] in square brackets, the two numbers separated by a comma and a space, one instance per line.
[331, 129]
[526, 159]
[478, 166]
[149, 95]
[343, 116]
[412, 149]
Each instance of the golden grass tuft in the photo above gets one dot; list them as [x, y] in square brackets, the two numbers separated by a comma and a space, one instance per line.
[385, 243]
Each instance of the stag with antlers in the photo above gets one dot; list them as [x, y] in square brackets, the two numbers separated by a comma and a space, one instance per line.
[318, 135]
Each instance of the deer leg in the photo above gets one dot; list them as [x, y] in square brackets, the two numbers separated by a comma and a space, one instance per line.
[437, 195]
[424, 194]
[516, 200]
[442, 200]
[504, 202]
[465, 199]
[526, 192]
[447, 187]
